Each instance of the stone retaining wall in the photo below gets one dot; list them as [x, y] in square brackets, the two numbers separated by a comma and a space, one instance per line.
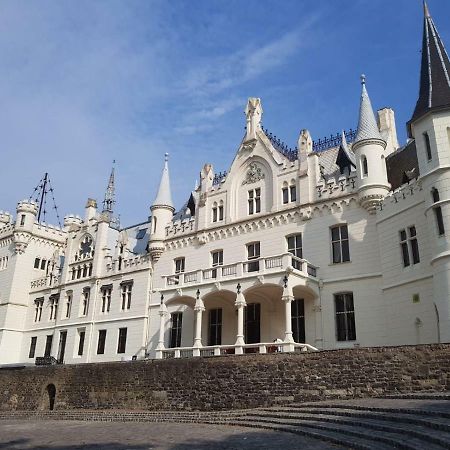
[229, 382]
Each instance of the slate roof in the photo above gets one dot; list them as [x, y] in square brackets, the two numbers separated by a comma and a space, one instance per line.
[164, 196]
[402, 165]
[434, 91]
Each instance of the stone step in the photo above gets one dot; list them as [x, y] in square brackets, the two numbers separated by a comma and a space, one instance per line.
[389, 438]
[412, 411]
[435, 423]
[419, 396]
[334, 437]
[377, 423]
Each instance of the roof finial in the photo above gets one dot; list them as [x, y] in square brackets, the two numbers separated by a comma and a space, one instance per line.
[110, 199]
[166, 157]
[363, 79]
[426, 11]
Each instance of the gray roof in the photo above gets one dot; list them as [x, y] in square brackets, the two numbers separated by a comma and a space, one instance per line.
[434, 72]
[164, 196]
[367, 125]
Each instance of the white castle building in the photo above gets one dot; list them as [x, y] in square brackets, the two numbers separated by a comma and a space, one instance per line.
[338, 243]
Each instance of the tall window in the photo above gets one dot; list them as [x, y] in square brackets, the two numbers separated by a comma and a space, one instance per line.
[81, 337]
[339, 244]
[54, 300]
[215, 327]
[85, 301]
[69, 297]
[106, 298]
[254, 201]
[179, 265]
[48, 345]
[365, 169]
[345, 317]
[175, 330]
[409, 246]
[38, 304]
[426, 138]
[32, 347]
[101, 342]
[217, 211]
[294, 244]
[217, 260]
[438, 212]
[122, 342]
[298, 320]
[126, 288]
[22, 219]
[253, 253]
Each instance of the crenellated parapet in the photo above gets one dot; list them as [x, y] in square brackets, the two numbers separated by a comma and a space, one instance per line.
[72, 221]
[336, 187]
[401, 198]
[138, 262]
[180, 227]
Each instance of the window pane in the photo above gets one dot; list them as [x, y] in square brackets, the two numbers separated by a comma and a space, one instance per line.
[345, 251]
[258, 192]
[412, 231]
[293, 193]
[439, 220]
[348, 302]
[291, 243]
[336, 252]
[258, 205]
[340, 327]
[285, 195]
[402, 235]
[351, 330]
[344, 232]
[250, 206]
[340, 305]
[335, 234]
[405, 254]
[415, 251]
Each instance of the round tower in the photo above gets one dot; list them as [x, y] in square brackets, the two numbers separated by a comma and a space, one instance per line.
[26, 215]
[161, 213]
[369, 147]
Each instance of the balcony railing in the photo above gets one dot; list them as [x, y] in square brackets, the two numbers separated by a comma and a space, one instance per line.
[44, 282]
[243, 269]
[220, 350]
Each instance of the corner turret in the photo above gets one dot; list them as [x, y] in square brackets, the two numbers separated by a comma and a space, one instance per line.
[369, 147]
[26, 216]
[162, 212]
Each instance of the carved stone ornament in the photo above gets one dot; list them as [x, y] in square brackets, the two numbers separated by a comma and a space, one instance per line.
[254, 174]
[248, 146]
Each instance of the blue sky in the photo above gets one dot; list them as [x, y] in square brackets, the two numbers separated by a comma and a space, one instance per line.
[86, 82]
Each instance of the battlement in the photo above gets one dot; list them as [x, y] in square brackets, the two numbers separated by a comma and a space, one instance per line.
[128, 264]
[27, 206]
[180, 227]
[335, 187]
[5, 218]
[401, 197]
[72, 219]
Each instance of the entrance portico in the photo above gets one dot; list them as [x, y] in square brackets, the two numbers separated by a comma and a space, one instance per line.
[271, 310]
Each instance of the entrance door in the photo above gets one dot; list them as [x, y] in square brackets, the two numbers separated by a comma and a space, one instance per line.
[298, 320]
[62, 346]
[252, 323]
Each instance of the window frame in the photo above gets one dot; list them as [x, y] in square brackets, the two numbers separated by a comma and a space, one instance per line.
[349, 318]
[215, 327]
[177, 330]
[101, 342]
[122, 340]
[32, 350]
[254, 201]
[295, 250]
[344, 243]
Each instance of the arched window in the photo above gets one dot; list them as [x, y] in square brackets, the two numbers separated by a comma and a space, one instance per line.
[285, 193]
[220, 213]
[293, 191]
[365, 169]
[438, 212]
[214, 212]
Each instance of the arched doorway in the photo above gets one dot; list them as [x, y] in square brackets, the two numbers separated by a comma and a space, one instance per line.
[51, 391]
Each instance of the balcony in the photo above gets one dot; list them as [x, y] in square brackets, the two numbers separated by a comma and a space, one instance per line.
[48, 281]
[242, 270]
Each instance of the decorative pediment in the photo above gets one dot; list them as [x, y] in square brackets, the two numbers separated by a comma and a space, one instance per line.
[254, 174]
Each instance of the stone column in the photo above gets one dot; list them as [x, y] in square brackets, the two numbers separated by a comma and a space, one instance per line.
[287, 298]
[162, 326]
[240, 305]
[198, 308]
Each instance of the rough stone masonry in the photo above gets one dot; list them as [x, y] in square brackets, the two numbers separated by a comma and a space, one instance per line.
[229, 382]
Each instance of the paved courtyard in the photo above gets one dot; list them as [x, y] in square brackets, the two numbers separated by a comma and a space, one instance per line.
[71, 435]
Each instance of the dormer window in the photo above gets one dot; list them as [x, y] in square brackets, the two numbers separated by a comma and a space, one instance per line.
[254, 201]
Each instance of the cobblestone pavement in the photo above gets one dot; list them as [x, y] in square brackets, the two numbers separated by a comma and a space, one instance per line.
[72, 435]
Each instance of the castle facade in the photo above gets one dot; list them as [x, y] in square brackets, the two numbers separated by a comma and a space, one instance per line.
[338, 243]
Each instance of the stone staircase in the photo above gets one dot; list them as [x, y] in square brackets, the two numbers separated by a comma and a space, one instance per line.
[411, 422]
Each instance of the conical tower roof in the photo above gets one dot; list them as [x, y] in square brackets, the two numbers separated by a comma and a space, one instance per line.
[164, 196]
[367, 124]
[434, 91]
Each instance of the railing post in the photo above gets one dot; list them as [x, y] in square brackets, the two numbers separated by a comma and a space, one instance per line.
[177, 353]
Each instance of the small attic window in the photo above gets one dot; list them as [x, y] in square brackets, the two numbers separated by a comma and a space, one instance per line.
[141, 233]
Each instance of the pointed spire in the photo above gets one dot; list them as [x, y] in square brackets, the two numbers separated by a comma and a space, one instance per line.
[109, 201]
[367, 125]
[434, 92]
[345, 157]
[164, 196]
